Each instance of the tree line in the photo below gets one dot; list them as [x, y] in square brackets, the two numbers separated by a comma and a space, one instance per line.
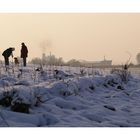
[53, 60]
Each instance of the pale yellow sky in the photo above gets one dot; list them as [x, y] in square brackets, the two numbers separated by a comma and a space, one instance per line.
[79, 36]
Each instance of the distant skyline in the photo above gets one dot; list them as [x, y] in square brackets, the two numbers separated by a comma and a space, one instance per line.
[83, 36]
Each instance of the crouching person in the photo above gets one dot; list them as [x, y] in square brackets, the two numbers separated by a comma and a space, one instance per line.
[6, 54]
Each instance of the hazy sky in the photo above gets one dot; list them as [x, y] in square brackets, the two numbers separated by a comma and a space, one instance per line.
[80, 36]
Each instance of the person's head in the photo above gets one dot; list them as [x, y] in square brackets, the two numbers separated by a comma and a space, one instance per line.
[22, 44]
[13, 49]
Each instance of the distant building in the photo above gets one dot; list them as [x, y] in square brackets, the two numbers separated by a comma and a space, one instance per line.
[103, 63]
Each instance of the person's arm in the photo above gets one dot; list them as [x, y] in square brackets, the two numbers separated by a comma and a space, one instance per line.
[12, 55]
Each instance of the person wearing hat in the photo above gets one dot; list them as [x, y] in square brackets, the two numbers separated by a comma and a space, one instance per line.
[6, 54]
[24, 53]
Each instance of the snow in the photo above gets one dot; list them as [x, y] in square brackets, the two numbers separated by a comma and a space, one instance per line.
[69, 99]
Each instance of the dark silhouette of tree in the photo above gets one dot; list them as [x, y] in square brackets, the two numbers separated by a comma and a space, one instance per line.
[74, 62]
[48, 60]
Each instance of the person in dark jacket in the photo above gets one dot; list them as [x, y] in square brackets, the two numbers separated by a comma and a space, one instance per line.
[24, 53]
[7, 53]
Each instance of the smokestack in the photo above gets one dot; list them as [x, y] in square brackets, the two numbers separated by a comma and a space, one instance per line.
[43, 56]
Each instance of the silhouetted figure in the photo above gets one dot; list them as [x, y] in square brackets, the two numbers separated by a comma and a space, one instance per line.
[24, 53]
[7, 53]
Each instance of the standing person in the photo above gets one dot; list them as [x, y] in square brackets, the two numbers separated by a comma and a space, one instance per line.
[24, 53]
[7, 53]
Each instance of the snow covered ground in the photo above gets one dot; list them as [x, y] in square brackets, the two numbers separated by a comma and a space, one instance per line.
[60, 97]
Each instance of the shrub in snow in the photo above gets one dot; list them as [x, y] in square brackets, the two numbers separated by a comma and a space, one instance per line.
[86, 84]
[7, 92]
[20, 99]
[20, 107]
[64, 88]
[58, 88]
[113, 80]
[82, 72]
[5, 101]
[97, 72]
[59, 74]
[6, 97]
[25, 98]
[4, 83]
[72, 88]
[120, 87]
[124, 74]
[92, 87]
[43, 75]
[8, 79]
[39, 98]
